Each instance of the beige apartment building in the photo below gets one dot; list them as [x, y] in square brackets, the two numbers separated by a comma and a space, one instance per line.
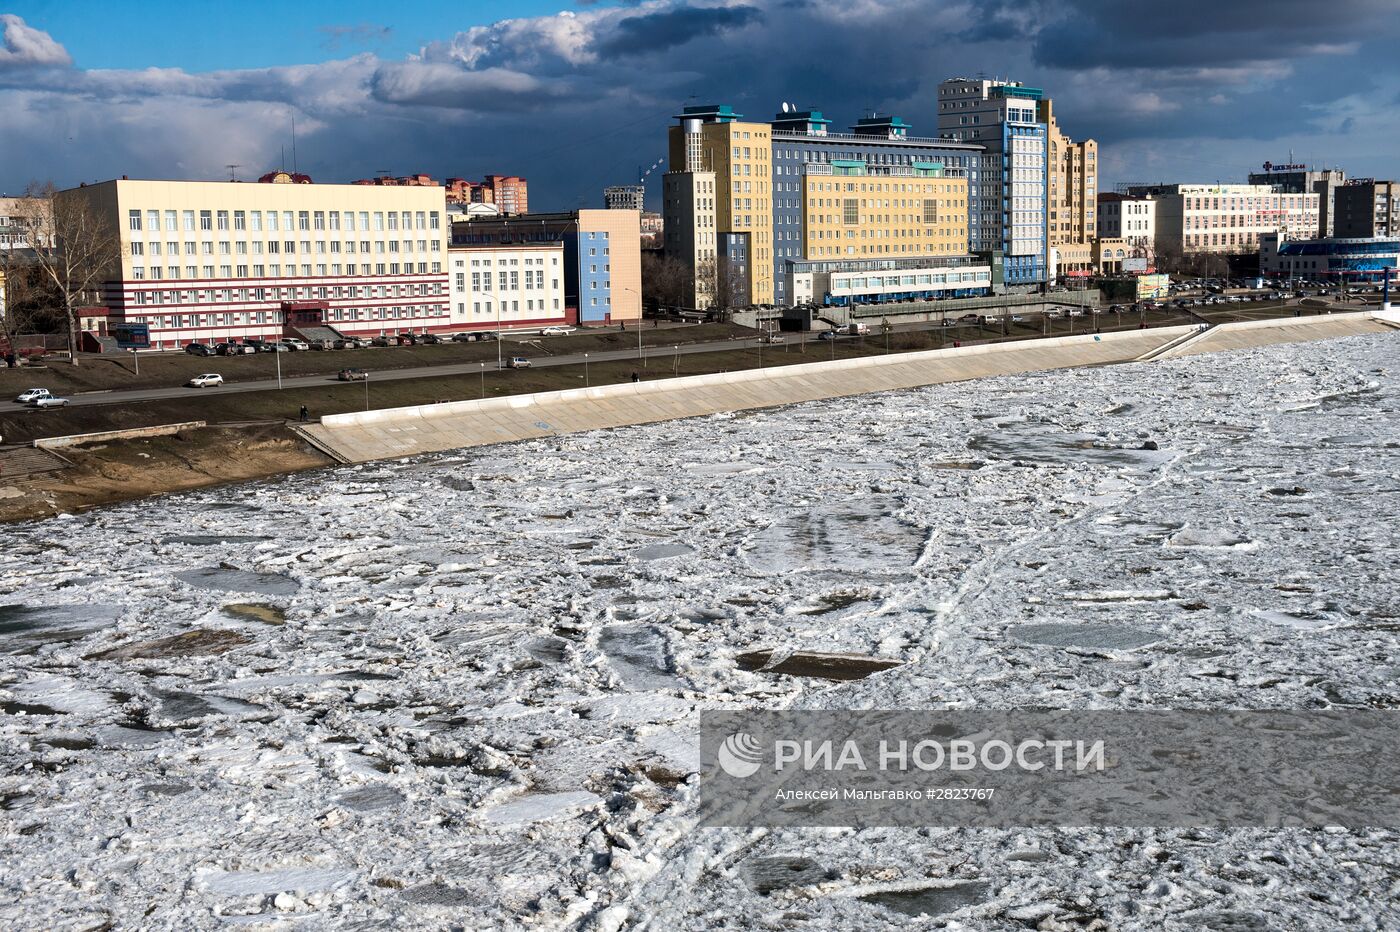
[503, 287]
[715, 139]
[690, 233]
[211, 261]
[1227, 218]
[1071, 198]
[848, 213]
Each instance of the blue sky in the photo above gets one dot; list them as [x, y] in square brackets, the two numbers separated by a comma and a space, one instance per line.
[206, 36]
[577, 95]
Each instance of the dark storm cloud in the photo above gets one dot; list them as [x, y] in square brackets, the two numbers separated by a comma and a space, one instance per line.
[655, 32]
[577, 99]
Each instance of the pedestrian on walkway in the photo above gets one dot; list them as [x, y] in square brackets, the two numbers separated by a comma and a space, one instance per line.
[305, 415]
[635, 377]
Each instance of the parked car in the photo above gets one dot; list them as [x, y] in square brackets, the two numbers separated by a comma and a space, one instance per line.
[256, 345]
[409, 339]
[295, 345]
[384, 341]
[32, 395]
[50, 401]
[353, 375]
[278, 347]
[198, 349]
[206, 380]
[517, 362]
[463, 338]
[220, 349]
[244, 349]
[430, 338]
[555, 331]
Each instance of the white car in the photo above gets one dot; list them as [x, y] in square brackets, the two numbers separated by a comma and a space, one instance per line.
[32, 395]
[206, 380]
[296, 346]
[50, 401]
[555, 331]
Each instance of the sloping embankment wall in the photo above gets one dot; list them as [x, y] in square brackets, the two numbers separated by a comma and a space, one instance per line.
[395, 432]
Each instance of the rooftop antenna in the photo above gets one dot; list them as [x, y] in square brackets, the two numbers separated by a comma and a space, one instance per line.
[232, 170]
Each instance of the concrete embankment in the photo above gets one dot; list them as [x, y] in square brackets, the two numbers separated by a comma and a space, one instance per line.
[385, 434]
[372, 435]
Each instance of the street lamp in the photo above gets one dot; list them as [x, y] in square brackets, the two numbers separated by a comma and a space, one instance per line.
[640, 355]
[586, 383]
[366, 391]
[483, 380]
[498, 326]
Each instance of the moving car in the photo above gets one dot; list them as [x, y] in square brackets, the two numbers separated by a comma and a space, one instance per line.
[32, 395]
[206, 380]
[199, 349]
[773, 337]
[517, 362]
[555, 331]
[353, 375]
[827, 335]
[50, 401]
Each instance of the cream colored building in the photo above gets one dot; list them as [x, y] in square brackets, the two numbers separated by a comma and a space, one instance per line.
[689, 231]
[1227, 218]
[507, 287]
[1071, 199]
[740, 154]
[211, 261]
[854, 215]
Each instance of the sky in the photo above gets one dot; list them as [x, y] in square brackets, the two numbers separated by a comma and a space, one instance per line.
[577, 95]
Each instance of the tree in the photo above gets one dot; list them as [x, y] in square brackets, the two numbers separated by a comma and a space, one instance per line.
[76, 245]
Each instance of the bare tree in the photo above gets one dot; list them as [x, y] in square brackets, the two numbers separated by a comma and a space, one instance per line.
[76, 245]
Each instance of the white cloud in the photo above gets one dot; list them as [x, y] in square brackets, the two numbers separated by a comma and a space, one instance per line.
[24, 46]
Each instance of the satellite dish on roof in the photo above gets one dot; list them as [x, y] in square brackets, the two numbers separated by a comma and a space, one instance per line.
[787, 107]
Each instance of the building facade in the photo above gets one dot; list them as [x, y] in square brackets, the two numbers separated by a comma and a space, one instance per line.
[504, 287]
[209, 261]
[1008, 188]
[1227, 218]
[601, 255]
[22, 222]
[1071, 198]
[713, 138]
[1333, 259]
[871, 193]
[1367, 208]
[625, 197]
[690, 232]
[1131, 219]
[1299, 179]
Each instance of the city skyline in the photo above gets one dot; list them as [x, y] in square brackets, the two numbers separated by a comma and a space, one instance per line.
[572, 97]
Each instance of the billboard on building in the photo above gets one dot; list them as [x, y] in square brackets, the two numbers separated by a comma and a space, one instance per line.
[1138, 265]
[132, 336]
[1152, 286]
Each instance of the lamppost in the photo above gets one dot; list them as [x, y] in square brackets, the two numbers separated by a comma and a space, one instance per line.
[483, 380]
[586, 383]
[640, 354]
[366, 391]
[497, 302]
[277, 355]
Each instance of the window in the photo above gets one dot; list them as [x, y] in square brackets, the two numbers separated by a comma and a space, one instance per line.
[188, 217]
[206, 220]
[223, 220]
[134, 220]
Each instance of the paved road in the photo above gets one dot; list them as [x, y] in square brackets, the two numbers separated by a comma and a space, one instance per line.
[510, 347]
[417, 372]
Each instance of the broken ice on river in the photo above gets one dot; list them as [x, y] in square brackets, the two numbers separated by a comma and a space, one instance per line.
[461, 690]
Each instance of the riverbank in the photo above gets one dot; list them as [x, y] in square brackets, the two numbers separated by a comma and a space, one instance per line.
[126, 470]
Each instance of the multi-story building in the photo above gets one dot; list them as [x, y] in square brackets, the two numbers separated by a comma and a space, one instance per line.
[844, 202]
[1366, 207]
[221, 260]
[1071, 197]
[1007, 189]
[1131, 219]
[510, 193]
[1336, 259]
[690, 232]
[1226, 218]
[713, 138]
[601, 255]
[1299, 179]
[499, 287]
[625, 197]
[22, 222]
